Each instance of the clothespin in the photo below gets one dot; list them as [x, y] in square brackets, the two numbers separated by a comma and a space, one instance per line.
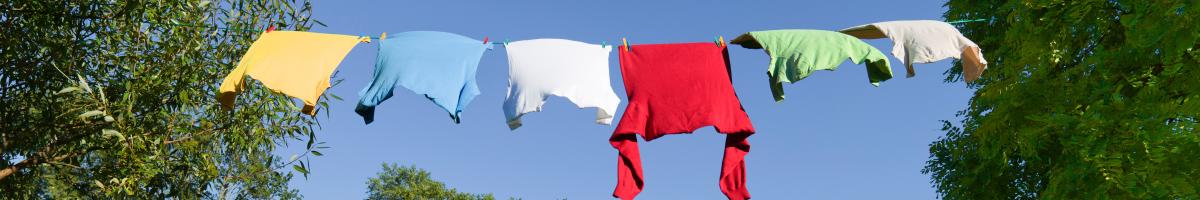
[625, 43]
[721, 39]
[485, 40]
[506, 42]
[603, 44]
[367, 39]
[271, 28]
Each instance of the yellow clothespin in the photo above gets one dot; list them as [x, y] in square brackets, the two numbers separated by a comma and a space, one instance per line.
[722, 39]
[364, 39]
[382, 36]
[626, 43]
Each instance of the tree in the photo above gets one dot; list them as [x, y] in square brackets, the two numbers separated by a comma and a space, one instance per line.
[117, 101]
[397, 182]
[1085, 99]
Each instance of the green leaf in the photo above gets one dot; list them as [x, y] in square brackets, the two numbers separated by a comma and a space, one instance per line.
[84, 84]
[317, 153]
[312, 137]
[108, 133]
[91, 114]
[66, 90]
[300, 169]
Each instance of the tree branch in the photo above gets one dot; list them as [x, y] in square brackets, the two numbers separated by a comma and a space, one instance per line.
[31, 161]
[41, 156]
[189, 136]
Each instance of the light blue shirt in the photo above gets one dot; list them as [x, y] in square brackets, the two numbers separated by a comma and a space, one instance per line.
[439, 65]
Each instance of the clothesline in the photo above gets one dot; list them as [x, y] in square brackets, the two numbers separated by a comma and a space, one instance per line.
[9, 10]
[967, 20]
[373, 38]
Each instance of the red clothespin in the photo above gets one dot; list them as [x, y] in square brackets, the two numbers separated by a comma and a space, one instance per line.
[485, 40]
[271, 28]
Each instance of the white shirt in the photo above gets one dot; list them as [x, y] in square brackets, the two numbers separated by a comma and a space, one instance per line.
[541, 68]
[924, 41]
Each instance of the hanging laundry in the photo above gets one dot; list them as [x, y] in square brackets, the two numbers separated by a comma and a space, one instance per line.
[796, 53]
[439, 65]
[676, 89]
[925, 41]
[297, 64]
[541, 68]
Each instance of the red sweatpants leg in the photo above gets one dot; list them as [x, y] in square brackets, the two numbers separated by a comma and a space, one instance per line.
[629, 166]
[733, 166]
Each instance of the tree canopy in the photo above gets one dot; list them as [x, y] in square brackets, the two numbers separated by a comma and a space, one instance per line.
[1089, 99]
[116, 100]
[410, 182]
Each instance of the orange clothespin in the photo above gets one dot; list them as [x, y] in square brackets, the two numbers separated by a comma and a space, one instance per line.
[271, 28]
[722, 39]
[625, 43]
[485, 40]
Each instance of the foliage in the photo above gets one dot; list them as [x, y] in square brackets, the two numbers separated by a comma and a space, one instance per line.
[1087, 99]
[116, 100]
[398, 182]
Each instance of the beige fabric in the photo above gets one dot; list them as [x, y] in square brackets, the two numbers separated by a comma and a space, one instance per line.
[973, 65]
[925, 41]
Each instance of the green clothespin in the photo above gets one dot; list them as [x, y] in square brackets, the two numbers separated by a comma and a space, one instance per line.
[603, 44]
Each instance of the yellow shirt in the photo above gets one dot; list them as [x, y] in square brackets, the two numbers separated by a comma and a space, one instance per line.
[297, 64]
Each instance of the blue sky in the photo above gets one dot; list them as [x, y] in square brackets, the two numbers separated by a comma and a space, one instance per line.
[835, 137]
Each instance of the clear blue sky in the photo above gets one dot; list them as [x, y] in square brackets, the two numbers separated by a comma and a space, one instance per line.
[835, 137]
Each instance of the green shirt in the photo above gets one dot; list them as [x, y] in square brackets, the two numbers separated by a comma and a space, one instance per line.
[797, 53]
